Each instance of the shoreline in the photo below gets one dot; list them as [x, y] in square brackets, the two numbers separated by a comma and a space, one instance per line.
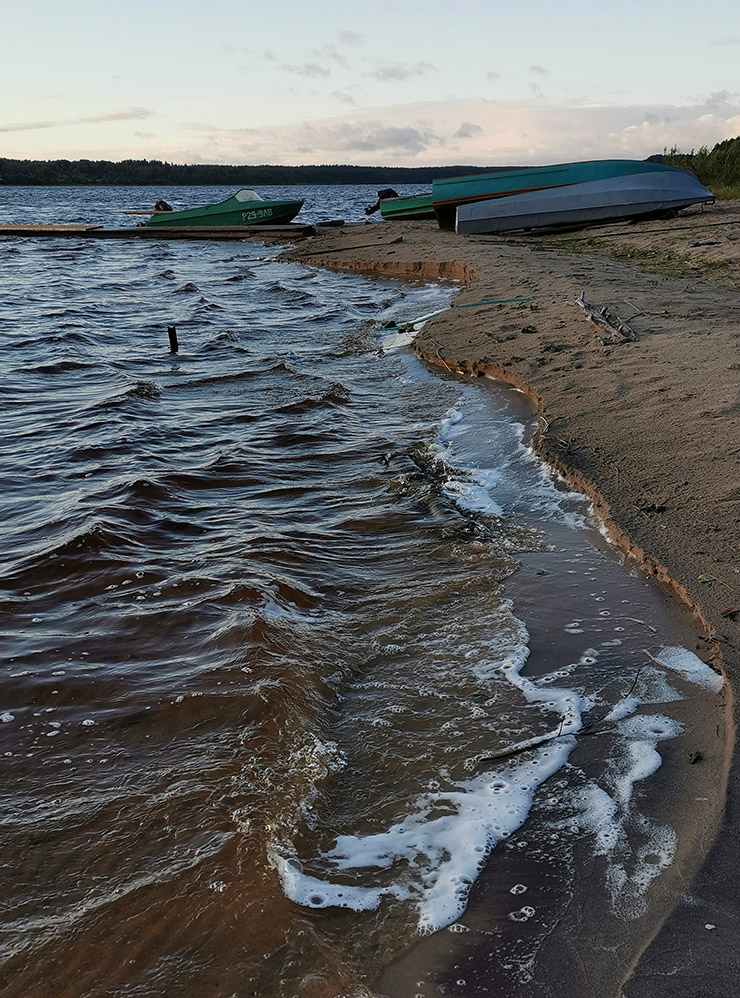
[649, 430]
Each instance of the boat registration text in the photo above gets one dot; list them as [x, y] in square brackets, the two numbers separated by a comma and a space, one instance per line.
[253, 216]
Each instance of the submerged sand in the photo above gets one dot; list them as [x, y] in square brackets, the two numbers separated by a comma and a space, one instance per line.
[649, 428]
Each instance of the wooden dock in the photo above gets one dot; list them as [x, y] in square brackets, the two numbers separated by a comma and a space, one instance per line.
[291, 230]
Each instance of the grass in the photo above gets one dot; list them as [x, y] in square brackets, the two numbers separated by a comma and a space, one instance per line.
[730, 192]
[653, 260]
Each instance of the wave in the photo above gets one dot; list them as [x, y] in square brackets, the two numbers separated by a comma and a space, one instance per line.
[61, 367]
[335, 395]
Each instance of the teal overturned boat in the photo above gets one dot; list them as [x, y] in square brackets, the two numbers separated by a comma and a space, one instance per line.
[451, 192]
[394, 206]
[243, 208]
[414, 206]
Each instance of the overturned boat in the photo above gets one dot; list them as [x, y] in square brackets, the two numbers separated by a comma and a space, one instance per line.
[450, 193]
[413, 206]
[638, 195]
[394, 206]
[243, 208]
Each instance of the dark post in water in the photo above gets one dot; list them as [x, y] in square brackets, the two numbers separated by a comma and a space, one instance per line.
[172, 334]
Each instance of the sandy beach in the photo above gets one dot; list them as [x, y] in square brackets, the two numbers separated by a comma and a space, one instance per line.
[644, 417]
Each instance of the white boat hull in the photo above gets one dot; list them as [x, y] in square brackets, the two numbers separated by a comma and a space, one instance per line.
[596, 201]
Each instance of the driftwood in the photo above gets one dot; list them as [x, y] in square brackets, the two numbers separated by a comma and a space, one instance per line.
[591, 728]
[608, 329]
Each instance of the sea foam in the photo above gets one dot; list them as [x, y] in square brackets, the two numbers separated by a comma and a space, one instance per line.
[690, 667]
[438, 856]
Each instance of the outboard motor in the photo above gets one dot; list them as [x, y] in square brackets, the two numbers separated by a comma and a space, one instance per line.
[387, 192]
[163, 206]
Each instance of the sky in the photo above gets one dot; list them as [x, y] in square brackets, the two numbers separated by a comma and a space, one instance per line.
[400, 83]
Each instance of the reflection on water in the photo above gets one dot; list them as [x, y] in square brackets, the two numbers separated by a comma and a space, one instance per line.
[295, 632]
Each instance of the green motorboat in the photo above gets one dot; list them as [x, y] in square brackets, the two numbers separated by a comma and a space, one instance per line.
[450, 192]
[414, 206]
[243, 208]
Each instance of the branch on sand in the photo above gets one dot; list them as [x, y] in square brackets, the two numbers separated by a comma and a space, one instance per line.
[592, 728]
[608, 329]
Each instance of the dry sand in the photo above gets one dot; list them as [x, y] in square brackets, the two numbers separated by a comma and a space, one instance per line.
[649, 429]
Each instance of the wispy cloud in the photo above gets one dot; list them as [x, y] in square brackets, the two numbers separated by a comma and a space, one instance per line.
[343, 97]
[398, 72]
[124, 114]
[375, 137]
[467, 130]
[722, 98]
[540, 70]
[351, 38]
[493, 75]
[311, 70]
[331, 53]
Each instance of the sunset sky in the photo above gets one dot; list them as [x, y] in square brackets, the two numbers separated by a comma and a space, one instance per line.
[397, 84]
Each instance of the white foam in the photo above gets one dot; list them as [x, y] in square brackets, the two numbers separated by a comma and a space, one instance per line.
[448, 424]
[642, 758]
[519, 478]
[624, 708]
[438, 850]
[690, 666]
[637, 849]
[473, 496]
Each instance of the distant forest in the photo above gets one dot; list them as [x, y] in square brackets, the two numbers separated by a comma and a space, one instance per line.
[718, 169]
[152, 172]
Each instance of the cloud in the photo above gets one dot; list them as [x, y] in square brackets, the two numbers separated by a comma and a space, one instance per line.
[467, 130]
[373, 137]
[493, 75]
[514, 133]
[540, 70]
[343, 97]
[125, 114]
[331, 53]
[721, 99]
[397, 72]
[525, 132]
[312, 70]
[351, 38]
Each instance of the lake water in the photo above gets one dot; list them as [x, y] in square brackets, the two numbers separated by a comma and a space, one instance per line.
[299, 637]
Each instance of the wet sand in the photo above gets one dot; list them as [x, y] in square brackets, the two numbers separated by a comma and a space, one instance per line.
[650, 429]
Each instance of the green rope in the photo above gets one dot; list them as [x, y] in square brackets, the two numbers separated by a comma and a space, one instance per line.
[472, 304]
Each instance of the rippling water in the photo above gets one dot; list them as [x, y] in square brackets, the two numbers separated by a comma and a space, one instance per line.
[272, 692]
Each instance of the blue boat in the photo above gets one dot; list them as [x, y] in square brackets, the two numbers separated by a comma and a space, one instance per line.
[451, 192]
[639, 195]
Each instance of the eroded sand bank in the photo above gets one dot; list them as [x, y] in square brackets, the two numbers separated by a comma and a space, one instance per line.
[650, 429]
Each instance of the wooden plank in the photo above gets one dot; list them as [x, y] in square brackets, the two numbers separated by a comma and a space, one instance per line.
[52, 229]
[290, 230]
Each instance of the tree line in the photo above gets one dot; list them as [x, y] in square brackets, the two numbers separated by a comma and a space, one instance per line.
[152, 172]
[718, 167]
